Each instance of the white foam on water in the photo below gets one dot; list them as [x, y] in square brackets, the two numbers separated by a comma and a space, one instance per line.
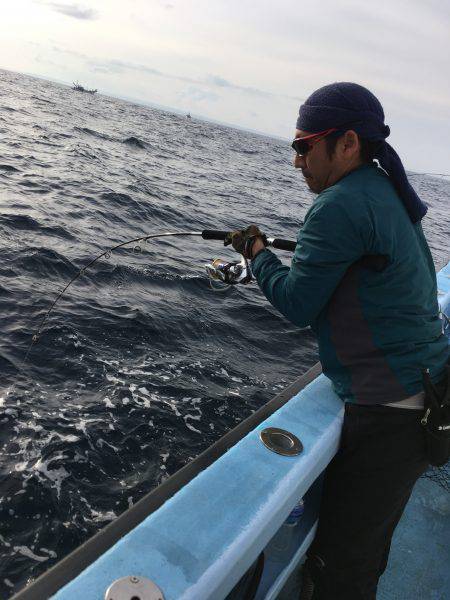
[25, 551]
[68, 437]
[51, 553]
[81, 425]
[57, 476]
[113, 379]
[34, 426]
[101, 442]
[173, 405]
[21, 466]
[6, 394]
[73, 336]
[80, 458]
[137, 372]
[100, 517]
[188, 425]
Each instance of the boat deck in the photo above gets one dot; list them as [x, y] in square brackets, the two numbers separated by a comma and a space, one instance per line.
[420, 552]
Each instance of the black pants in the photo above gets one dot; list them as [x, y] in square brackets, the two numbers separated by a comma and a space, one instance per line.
[366, 488]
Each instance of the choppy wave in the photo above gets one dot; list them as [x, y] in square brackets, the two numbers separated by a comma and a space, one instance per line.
[134, 142]
[92, 132]
[9, 168]
[141, 366]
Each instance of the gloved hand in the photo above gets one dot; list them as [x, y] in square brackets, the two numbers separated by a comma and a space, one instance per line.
[243, 240]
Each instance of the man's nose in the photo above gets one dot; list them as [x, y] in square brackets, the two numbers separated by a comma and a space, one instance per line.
[298, 161]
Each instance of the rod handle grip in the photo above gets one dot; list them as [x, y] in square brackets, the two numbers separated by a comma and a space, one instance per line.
[283, 244]
[214, 234]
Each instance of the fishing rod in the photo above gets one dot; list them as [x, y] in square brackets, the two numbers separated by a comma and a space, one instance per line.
[226, 272]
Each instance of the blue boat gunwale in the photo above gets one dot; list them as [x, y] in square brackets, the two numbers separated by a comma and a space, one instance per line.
[55, 578]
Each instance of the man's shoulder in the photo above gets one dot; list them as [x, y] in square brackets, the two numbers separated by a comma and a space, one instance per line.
[363, 180]
[333, 207]
[343, 195]
[354, 201]
[365, 188]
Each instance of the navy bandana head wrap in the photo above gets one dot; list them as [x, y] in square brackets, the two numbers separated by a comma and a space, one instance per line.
[351, 106]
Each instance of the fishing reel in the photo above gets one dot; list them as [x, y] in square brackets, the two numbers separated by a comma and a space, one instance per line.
[231, 272]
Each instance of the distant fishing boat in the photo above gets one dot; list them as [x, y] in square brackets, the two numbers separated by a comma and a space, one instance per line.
[79, 88]
[188, 116]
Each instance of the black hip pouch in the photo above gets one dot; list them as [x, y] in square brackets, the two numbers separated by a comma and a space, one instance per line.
[436, 420]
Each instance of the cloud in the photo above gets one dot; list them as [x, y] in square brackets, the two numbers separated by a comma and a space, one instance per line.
[73, 10]
[114, 67]
[198, 95]
[219, 81]
[215, 80]
[166, 5]
[118, 66]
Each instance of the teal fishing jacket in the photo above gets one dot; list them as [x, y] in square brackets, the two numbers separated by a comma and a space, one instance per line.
[377, 328]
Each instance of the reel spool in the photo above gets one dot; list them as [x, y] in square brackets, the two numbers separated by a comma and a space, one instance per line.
[231, 272]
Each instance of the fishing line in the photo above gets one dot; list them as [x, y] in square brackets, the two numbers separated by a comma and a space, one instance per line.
[232, 272]
[106, 254]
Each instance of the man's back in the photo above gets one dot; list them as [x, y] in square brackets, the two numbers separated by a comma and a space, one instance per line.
[376, 330]
[383, 326]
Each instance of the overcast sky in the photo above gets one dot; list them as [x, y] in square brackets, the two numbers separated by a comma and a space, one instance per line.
[249, 62]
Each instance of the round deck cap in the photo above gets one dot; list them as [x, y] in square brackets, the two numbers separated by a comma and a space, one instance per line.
[133, 588]
[281, 441]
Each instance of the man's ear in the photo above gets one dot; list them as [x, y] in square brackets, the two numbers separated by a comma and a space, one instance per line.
[350, 143]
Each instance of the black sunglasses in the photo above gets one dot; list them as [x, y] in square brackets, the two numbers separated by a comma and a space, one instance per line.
[303, 145]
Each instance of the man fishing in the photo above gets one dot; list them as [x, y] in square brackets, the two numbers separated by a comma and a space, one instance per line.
[363, 278]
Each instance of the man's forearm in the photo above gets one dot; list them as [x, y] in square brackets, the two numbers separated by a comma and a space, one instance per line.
[271, 275]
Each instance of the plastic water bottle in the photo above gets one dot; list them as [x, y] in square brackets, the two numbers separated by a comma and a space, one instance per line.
[282, 544]
[295, 514]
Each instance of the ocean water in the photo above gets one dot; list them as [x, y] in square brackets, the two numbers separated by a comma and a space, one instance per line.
[141, 366]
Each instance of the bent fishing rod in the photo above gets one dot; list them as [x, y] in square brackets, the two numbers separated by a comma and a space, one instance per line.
[225, 272]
